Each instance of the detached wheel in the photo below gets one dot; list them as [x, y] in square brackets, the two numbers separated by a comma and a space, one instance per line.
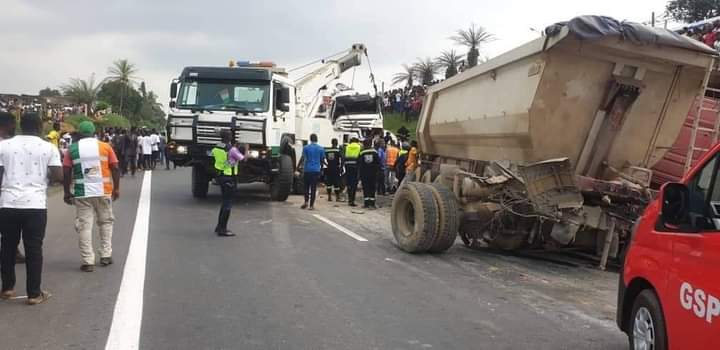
[414, 217]
[282, 183]
[448, 218]
[648, 323]
[200, 181]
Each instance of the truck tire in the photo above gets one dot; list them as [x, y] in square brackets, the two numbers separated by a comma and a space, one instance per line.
[282, 183]
[414, 217]
[200, 181]
[448, 218]
[647, 322]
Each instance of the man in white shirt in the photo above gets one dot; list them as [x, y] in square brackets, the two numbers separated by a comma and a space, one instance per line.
[146, 144]
[155, 140]
[27, 164]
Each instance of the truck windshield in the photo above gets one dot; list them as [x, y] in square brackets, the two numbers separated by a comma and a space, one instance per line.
[214, 95]
[361, 104]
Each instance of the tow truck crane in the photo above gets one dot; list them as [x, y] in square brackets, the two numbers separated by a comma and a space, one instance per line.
[269, 114]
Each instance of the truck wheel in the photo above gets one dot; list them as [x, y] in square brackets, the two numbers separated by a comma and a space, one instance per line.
[414, 217]
[429, 176]
[282, 183]
[200, 181]
[448, 218]
[648, 323]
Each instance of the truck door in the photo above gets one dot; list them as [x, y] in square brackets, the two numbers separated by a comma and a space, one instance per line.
[692, 309]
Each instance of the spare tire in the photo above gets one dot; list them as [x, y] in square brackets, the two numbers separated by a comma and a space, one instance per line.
[414, 217]
[448, 218]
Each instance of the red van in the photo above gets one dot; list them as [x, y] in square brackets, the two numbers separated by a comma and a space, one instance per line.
[669, 292]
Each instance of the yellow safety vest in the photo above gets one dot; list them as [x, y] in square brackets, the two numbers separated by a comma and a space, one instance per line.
[221, 162]
[352, 152]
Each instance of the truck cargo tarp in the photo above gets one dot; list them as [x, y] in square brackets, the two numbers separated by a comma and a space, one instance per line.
[598, 27]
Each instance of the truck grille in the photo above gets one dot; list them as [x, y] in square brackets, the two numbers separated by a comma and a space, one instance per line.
[246, 131]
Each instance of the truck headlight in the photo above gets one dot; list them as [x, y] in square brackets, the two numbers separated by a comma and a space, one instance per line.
[181, 150]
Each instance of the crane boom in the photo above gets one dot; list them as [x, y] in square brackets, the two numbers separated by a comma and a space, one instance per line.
[310, 84]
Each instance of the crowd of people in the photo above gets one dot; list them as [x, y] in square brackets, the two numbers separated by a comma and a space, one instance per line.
[706, 33]
[379, 164]
[89, 171]
[407, 101]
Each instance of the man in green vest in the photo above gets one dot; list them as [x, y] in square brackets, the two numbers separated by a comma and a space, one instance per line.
[352, 152]
[226, 167]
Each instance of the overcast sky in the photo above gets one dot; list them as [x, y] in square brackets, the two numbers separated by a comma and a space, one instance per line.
[46, 42]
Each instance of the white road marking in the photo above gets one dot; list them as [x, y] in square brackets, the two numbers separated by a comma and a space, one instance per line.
[341, 228]
[265, 222]
[127, 317]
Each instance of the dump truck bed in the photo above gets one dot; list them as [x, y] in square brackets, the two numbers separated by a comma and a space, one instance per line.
[547, 98]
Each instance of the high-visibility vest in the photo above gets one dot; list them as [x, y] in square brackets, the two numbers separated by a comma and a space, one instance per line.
[391, 155]
[352, 152]
[221, 162]
[91, 170]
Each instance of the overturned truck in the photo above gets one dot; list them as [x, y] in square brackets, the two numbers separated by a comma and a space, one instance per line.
[550, 145]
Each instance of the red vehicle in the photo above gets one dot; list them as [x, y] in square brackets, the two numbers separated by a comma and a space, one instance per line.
[669, 292]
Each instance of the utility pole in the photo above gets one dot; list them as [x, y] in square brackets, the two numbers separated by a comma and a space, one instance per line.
[652, 19]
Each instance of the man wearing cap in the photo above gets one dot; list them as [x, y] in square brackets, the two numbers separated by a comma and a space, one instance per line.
[91, 167]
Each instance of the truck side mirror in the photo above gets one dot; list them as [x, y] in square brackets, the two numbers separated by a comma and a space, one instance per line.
[282, 99]
[675, 201]
[173, 89]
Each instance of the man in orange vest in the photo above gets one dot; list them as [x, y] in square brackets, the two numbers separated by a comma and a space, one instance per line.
[391, 155]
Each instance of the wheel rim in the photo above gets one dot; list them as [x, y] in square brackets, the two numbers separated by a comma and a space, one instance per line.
[644, 330]
[406, 220]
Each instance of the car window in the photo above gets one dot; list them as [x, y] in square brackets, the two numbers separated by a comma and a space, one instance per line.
[704, 189]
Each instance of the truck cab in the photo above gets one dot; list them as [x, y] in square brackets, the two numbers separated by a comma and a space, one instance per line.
[252, 101]
[669, 290]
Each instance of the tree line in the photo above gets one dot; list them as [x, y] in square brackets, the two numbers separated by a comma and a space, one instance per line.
[424, 70]
[119, 91]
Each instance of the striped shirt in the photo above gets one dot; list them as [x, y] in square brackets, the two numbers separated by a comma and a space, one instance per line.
[90, 161]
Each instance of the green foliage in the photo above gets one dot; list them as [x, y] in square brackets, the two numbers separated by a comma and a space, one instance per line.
[113, 121]
[82, 91]
[101, 105]
[48, 92]
[425, 70]
[76, 119]
[693, 10]
[116, 93]
[393, 122]
[406, 75]
[449, 60]
[472, 38]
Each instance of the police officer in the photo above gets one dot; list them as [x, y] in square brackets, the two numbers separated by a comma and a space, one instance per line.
[226, 179]
[352, 152]
[369, 168]
[333, 169]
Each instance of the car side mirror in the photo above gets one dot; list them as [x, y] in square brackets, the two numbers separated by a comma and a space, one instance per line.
[173, 89]
[675, 201]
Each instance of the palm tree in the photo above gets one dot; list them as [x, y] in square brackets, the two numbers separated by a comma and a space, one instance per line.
[472, 38]
[124, 72]
[426, 70]
[449, 60]
[82, 91]
[407, 75]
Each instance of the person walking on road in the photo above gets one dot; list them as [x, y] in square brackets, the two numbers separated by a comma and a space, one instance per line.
[333, 170]
[411, 162]
[147, 150]
[131, 152]
[92, 168]
[7, 130]
[391, 155]
[352, 152]
[27, 162]
[380, 148]
[313, 154]
[400, 163]
[155, 141]
[369, 169]
[226, 170]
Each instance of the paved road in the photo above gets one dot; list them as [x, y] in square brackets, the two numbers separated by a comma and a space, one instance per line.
[292, 281]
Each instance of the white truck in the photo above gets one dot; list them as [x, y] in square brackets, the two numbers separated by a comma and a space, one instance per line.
[268, 113]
